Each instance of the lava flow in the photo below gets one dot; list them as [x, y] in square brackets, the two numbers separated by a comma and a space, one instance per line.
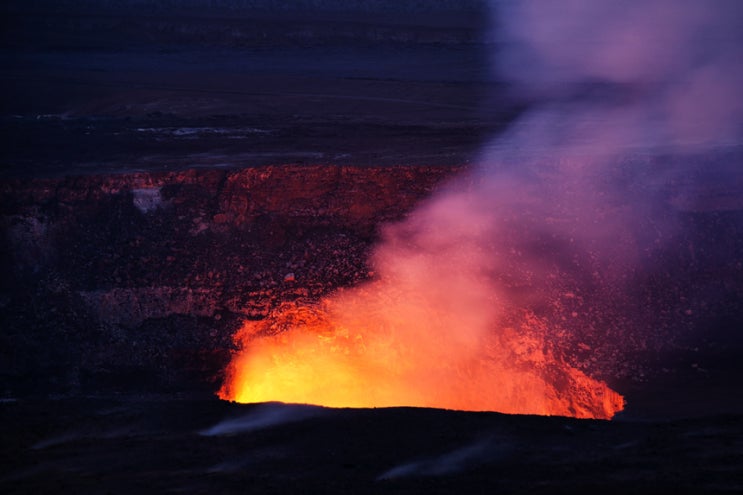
[366, 348]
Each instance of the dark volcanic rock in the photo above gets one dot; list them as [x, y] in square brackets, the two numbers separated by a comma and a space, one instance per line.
[138, 281]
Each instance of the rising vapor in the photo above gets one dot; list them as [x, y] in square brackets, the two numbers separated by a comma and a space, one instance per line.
[483, 293]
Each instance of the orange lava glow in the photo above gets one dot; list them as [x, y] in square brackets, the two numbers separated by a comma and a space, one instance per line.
[365, 348]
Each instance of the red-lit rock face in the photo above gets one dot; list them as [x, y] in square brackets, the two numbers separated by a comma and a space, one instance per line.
[141, 279]
[151, 281]
[153, 273]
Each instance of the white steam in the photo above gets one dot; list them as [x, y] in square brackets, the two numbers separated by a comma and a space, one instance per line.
[677, 63]
[263, 416]
[562, 201]
[488, 293]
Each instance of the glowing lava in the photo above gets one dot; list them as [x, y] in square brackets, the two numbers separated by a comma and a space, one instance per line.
[365, 348]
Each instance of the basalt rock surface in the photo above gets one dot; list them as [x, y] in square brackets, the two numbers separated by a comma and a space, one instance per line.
[138, 281]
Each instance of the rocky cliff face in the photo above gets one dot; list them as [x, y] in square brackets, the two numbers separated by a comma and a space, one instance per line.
[137, 282]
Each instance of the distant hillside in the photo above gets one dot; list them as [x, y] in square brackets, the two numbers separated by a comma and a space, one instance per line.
[368, 6]
[74, 23]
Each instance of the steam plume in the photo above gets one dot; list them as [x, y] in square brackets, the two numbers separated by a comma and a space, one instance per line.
[267, 415]
[613, 82]
[488, 290]
[561, 202]
[677, 61]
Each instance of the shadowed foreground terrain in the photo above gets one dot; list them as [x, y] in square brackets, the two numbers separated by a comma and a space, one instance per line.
[156, 445]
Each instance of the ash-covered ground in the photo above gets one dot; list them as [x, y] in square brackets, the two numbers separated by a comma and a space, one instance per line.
[168, 172]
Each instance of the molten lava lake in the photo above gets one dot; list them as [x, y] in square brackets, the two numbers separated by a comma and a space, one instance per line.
[385, 357]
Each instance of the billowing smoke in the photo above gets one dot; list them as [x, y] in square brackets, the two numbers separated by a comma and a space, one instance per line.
[563, 207]
[673, 66]
[498, 289]
[570, 198]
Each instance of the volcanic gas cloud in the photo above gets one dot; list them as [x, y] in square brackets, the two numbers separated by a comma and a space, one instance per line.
[461, 313]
